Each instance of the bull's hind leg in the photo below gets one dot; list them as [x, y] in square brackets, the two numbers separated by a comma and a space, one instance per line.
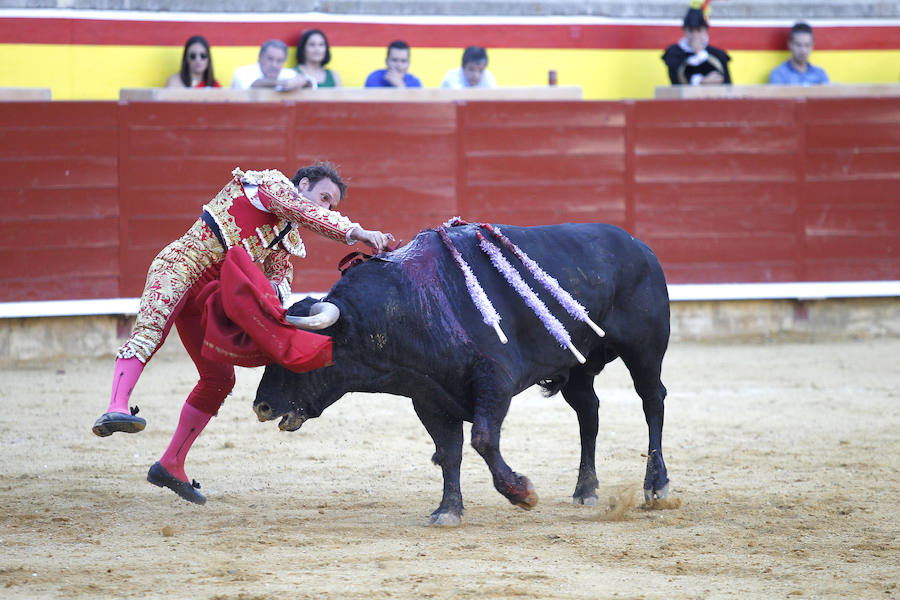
[448, 439]
[579, 393]
[645, 367]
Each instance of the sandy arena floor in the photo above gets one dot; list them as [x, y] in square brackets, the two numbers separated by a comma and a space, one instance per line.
[785, 457]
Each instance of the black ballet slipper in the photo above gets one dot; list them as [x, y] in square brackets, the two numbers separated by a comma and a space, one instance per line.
[112, 422]
[158, 476]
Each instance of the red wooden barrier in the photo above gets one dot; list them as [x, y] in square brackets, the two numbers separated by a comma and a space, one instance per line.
[716, 188]
[852, 189]
[174, 158]
[723, 190]
[400, 161]
[532, 163]
[59, 195]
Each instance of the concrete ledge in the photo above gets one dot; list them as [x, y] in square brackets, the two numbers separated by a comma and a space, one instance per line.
[352, 94]
[831, 90]
[24, 94]
[53, 338]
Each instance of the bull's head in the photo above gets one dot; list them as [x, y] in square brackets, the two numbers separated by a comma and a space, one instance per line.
[296, 397]
[275, 398]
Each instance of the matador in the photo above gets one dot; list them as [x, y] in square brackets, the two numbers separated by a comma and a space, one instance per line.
[261, 212]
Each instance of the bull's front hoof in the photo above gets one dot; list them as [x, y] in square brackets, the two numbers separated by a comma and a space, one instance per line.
[444, 519]
[586, 493]
[291, 422]
[585, 500]
[525, 497]
[651, 494]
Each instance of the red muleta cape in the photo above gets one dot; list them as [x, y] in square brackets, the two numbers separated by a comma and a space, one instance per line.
[244, 324]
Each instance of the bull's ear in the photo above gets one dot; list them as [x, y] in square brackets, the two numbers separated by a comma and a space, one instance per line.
[321, 316]
[301, 308]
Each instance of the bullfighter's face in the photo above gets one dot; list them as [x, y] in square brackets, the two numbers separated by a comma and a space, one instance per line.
[324, 193]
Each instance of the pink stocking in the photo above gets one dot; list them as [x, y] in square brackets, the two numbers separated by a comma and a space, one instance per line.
[190, 424]
[126, 375]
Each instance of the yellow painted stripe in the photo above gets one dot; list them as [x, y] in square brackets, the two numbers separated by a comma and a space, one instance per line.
[87, 72]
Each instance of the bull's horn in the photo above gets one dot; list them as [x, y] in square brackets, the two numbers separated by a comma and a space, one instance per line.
[321, 315]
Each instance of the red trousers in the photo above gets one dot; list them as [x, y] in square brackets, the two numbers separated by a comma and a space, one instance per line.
[216, 377]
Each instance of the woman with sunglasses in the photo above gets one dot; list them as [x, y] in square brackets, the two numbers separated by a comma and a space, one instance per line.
[196, 66]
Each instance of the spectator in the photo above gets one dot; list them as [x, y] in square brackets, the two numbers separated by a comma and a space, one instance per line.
[692, 61]
[313, 53]
[196, 66]
[473, 72]
[268, 71]
[397, 72]
[798, 70]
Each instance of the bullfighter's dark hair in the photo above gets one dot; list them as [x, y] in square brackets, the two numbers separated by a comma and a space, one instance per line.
[208, 77]
[301, 46]
[319, 171]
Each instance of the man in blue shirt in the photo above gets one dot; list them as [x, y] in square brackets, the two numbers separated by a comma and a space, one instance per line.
[396, 74]
[797, 70]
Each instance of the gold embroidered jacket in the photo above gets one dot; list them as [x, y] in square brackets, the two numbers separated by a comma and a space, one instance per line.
[250, 211]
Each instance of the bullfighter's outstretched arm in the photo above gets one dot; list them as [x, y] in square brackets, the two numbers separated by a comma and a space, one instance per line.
[273, 192]
[283, 200]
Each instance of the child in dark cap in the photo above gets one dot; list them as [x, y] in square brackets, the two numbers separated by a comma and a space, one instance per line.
[692, 61]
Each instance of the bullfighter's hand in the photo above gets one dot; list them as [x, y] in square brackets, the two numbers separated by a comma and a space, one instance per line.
[377, 240]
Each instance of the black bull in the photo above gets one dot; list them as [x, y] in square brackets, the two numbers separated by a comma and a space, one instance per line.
[408, 326]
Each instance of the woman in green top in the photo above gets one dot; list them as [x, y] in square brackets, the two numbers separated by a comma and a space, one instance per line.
[313, 53]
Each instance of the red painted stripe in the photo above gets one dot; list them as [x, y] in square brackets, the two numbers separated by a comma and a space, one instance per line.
[598, 36]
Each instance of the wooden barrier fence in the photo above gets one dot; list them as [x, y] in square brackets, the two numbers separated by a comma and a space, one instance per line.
[739, 190]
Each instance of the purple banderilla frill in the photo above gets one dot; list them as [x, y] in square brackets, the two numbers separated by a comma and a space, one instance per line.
[552, 324]
[572, 306]
[488, 313]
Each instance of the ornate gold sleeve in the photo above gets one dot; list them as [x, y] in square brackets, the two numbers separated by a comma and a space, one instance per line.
[278, 269]
[284, 201]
